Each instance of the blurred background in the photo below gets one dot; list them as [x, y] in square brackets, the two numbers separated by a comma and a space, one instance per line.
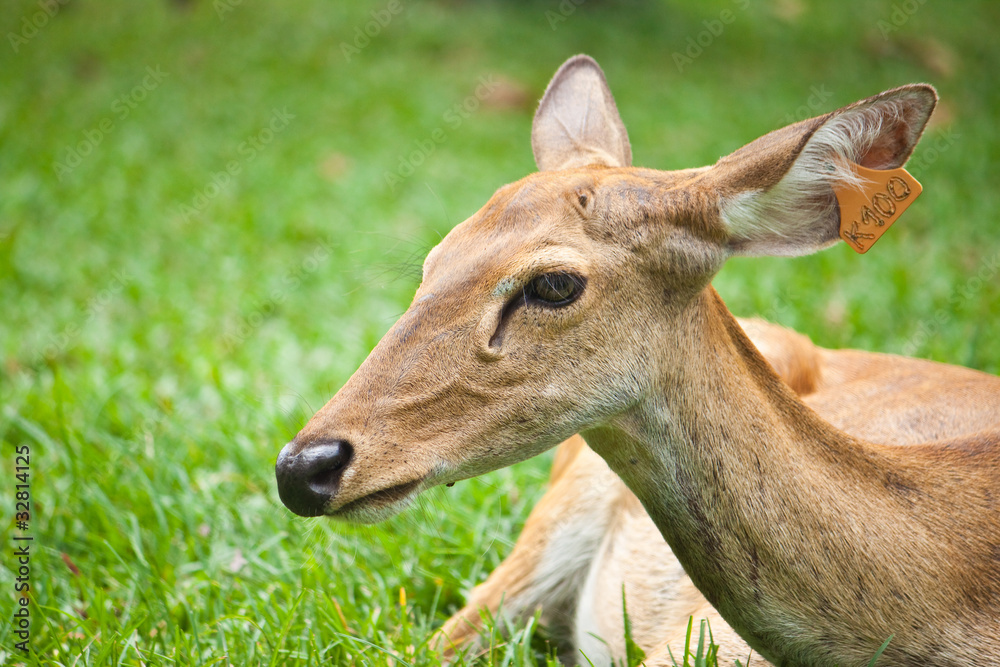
[211, 210]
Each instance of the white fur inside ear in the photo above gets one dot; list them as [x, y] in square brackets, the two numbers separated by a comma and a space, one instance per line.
[798, 215]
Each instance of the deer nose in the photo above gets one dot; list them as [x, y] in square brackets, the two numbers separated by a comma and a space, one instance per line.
[309, 479]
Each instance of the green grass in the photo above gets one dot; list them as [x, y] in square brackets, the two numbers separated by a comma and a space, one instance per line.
[167, 325]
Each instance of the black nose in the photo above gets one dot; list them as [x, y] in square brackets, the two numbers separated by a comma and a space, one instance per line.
[308, 480]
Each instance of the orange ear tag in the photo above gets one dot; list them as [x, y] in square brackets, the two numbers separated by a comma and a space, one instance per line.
[866, 213]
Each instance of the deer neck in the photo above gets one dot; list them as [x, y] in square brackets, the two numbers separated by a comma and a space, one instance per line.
[762, 502]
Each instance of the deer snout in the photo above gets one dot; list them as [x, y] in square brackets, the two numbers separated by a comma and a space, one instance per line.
[309, 478]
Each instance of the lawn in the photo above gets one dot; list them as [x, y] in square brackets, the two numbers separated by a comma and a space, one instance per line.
[211, 211]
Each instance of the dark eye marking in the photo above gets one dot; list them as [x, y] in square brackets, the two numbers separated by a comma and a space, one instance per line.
[554, 289]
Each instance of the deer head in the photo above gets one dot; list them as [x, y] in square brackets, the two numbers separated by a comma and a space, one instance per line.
[568, 297]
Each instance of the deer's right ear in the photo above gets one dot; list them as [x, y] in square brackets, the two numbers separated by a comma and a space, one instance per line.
[577, 123]
[776, 194]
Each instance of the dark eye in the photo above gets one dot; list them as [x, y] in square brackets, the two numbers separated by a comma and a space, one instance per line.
[555, 289]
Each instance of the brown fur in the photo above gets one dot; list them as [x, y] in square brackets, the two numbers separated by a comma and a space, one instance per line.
[814, 543]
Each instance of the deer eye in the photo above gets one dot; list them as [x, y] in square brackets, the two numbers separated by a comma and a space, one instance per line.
[555, 289]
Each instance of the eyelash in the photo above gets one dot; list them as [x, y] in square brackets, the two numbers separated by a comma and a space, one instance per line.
[556, 284]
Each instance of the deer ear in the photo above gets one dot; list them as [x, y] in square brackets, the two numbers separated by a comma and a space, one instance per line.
[776, 194]
[577, 123]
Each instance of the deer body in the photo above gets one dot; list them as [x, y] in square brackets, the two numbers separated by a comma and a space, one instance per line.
[724, 479]
[579, 300]
[588, 527]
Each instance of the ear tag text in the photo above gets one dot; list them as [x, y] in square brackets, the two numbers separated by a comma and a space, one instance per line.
[866, 213]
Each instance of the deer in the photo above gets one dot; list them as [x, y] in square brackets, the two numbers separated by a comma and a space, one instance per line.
[578, 300]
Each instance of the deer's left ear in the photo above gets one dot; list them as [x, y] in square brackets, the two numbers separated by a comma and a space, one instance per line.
[776, 194]
[577, 122]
